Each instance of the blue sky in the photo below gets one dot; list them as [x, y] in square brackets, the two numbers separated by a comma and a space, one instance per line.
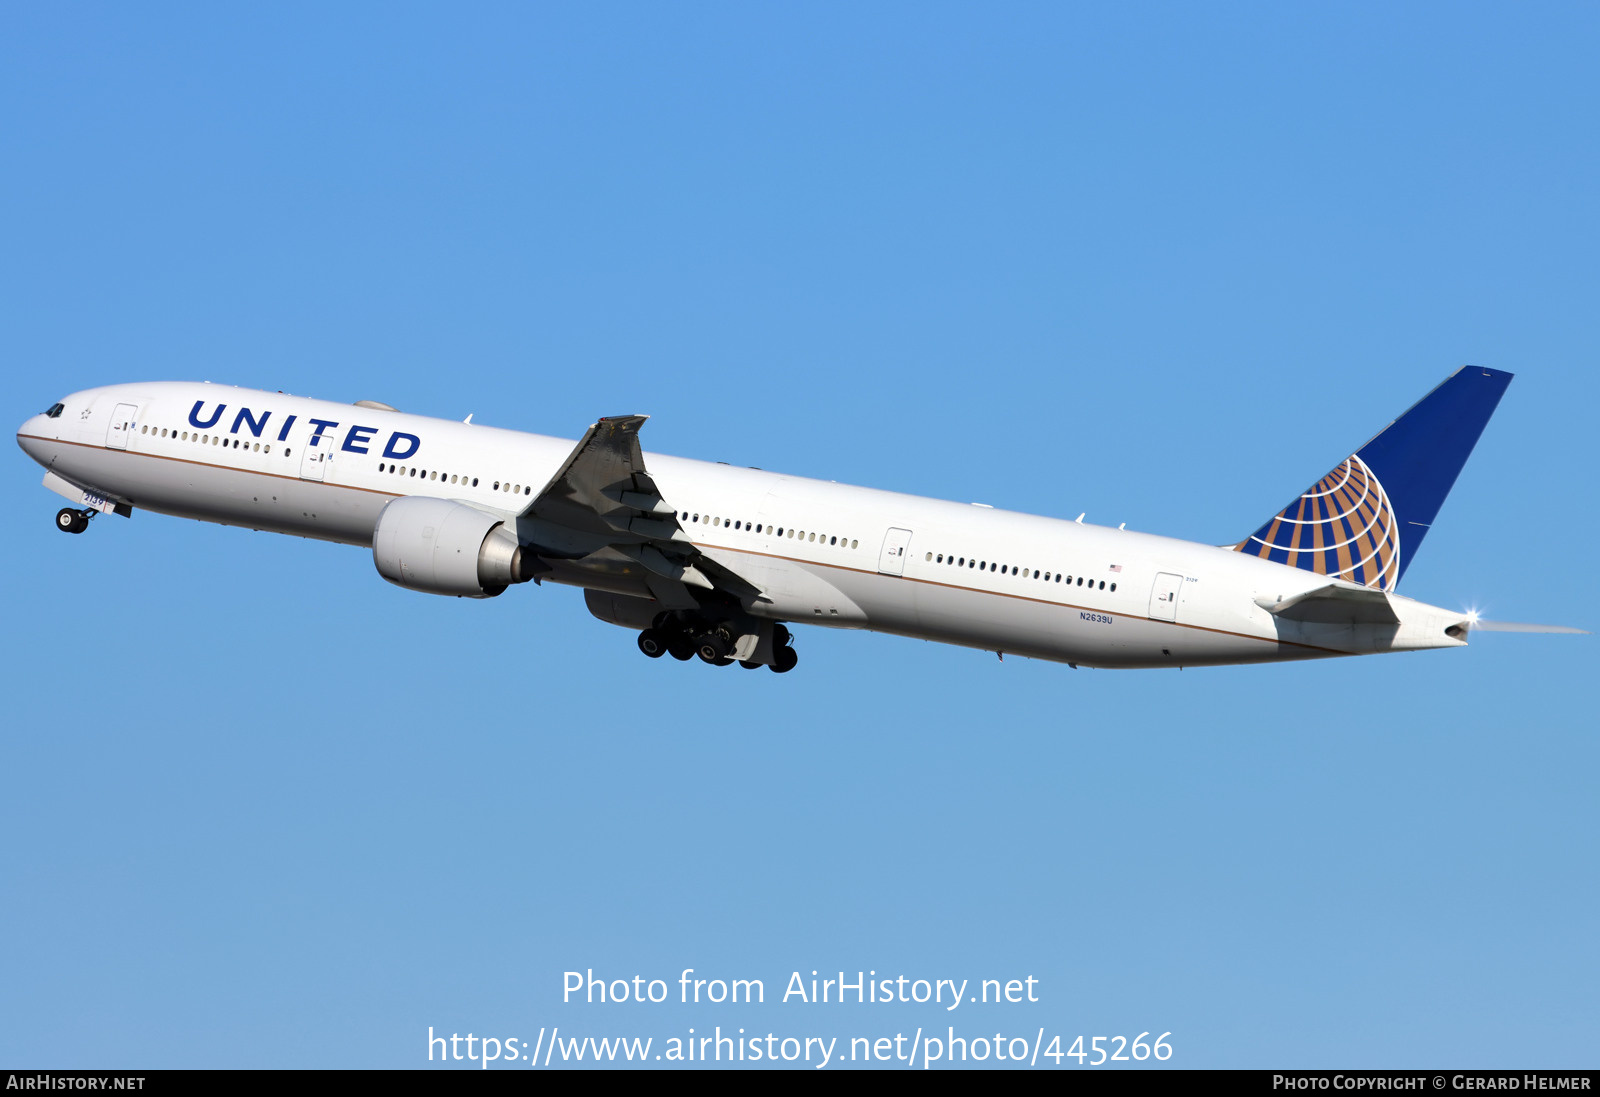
[1166, 264]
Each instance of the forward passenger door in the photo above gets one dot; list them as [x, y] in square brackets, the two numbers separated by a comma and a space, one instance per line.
[121, 425]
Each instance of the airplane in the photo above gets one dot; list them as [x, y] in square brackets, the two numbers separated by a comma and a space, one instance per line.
[706, 559]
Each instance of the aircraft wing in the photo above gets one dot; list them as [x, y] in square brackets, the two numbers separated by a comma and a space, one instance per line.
[1335, 603]
[603, 499]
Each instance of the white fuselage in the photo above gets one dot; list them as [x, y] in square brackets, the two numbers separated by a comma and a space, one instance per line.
[819, 552]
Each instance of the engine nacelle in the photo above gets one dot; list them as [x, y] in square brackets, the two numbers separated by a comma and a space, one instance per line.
[441, 547]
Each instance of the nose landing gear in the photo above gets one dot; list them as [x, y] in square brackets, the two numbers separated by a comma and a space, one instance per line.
[73, 521]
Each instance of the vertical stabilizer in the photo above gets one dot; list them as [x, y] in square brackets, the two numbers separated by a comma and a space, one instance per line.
[1364, 520]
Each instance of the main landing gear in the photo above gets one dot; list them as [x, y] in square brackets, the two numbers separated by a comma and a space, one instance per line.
[73, 521]
[713, 644]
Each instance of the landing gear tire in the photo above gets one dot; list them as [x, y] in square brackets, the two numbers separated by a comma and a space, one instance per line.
[712, 649]
[652, 643]
[750, 664]
[786, 660]
[71, 521]
[680, 647]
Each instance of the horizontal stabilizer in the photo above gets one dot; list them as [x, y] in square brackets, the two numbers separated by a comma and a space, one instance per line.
[1335, 605]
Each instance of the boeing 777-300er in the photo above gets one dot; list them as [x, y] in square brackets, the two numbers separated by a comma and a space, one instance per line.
[705, 559]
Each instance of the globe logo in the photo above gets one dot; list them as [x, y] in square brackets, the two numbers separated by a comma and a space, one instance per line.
[1342, 527]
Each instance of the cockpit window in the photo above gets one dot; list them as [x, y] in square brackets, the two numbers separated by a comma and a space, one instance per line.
[55, 411]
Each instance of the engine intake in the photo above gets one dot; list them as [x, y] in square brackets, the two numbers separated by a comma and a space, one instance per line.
[440, 547]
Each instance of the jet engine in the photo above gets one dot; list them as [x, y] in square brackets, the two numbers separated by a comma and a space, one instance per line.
[440, 547]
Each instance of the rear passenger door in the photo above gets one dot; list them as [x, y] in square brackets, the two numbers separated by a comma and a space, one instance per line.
[1164, 597]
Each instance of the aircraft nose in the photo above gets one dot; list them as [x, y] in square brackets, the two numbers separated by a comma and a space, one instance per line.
[28, 436]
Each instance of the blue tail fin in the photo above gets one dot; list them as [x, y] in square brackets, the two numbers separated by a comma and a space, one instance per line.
[1365, 519]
